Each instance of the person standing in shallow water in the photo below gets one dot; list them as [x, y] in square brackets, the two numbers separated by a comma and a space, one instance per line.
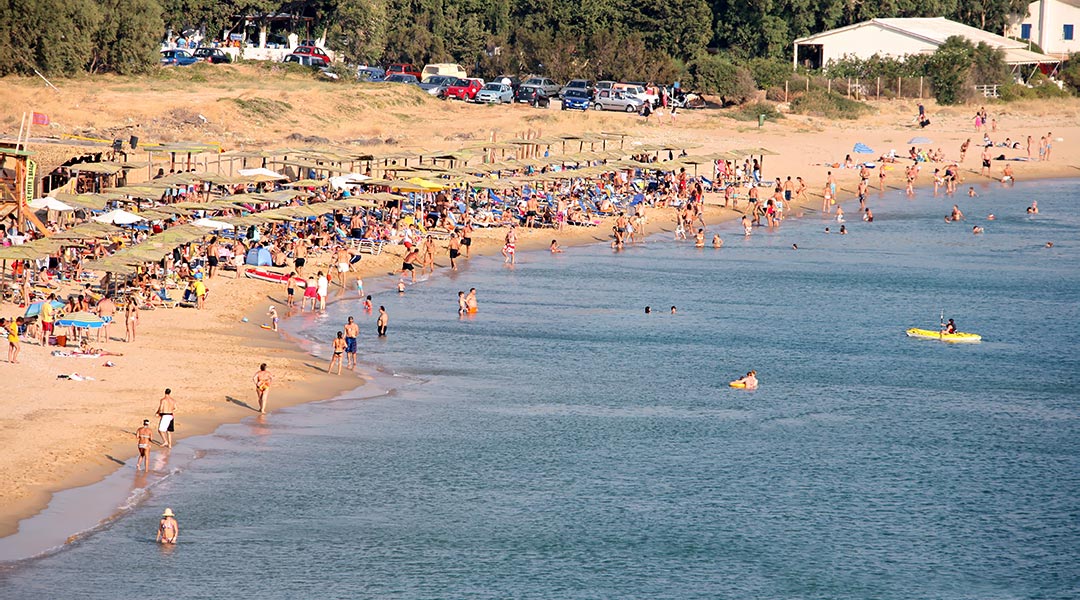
[382, 322]
[262, 381]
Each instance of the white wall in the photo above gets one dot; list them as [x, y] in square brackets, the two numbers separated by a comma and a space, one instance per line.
[864, 42]
[1055, 15]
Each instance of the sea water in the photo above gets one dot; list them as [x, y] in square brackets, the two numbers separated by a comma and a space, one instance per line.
[563, 444]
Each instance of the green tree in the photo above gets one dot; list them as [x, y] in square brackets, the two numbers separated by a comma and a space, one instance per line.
[950, 68]
[127, 39]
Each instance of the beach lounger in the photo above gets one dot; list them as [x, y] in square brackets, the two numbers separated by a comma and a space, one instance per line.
[372, 247]
[166, 301]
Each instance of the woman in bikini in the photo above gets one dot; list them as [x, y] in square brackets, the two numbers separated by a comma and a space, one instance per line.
[339, 349]
[132, 319]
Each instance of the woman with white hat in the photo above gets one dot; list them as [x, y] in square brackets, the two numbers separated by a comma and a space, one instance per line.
[168, 529]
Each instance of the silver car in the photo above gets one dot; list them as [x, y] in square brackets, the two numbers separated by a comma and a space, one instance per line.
[549, 86]
[616, 100]
[495, 92]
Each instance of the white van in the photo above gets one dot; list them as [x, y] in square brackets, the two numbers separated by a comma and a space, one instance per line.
[450, 69]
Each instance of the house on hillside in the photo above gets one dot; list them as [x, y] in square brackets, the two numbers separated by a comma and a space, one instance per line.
[1052, 24]
[903, 37]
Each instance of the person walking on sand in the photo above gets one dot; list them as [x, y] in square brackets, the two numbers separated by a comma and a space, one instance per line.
[323, 291]
[262, 381]
[352, 331]
[11, 329]
[168, 528]
[466, 236]
[383, 320]
[46, 317]
[342, 258]
[166, 412]
[339, 350]
[131, 318]
[986, 161]
[142, 440]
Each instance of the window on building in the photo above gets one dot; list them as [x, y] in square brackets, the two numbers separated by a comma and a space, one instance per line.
[1025, 31]
[1067, 32]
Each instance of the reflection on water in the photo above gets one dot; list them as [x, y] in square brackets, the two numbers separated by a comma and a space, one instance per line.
[562, 443]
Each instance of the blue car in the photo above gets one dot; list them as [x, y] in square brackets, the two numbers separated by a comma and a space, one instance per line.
[179, 58]
[576, 98]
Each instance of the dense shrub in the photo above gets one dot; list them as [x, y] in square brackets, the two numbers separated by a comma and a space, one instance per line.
[820, 103]
[750, 112]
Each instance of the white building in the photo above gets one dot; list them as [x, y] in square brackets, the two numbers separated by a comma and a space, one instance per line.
[1052, 24]
[903, 37]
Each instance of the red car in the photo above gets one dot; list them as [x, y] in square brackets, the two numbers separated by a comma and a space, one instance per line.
[311, 51]
[404, 69]
[464, 89]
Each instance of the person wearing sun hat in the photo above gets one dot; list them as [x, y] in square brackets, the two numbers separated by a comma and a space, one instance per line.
[168, 529]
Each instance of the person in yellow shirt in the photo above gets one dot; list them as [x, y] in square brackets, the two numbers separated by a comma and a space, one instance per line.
[200, 294]
[47, 317]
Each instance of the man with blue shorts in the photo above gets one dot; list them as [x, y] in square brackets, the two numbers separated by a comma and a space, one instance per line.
[351, 331]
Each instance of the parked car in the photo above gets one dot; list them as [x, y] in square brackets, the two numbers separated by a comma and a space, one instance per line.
[315, 62]
[177, 58]
[602, 85]
[464, 89]
[445, 69]
[550, 87]
[437, 85]
[495, 92]
[576, 98]
[577, 84]
[372, 74]
[402, 78]
[215, 56]
[532, 95]
[404, 68]
[311, 51]
[638, 92]
[616, 100]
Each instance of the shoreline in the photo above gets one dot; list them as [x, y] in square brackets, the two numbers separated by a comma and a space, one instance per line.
[314, 385]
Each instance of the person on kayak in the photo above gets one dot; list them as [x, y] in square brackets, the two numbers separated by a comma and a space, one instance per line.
[950, 327]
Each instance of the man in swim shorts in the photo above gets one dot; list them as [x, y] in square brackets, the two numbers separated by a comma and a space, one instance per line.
[142, 438]
[380, 324]
[455, 250]
[352, 330]
[166, 423]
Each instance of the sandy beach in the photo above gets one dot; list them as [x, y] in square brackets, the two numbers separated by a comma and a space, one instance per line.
[61, 433]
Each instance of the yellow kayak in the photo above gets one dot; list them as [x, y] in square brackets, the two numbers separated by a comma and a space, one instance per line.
[933, 334]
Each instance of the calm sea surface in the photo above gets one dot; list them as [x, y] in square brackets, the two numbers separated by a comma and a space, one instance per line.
[563, 444]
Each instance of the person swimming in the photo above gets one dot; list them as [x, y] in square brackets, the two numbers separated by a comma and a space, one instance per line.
[976, 229]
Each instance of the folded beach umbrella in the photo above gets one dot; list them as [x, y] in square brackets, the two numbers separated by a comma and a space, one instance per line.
[80, 319]
[862, 148]
[920, 140]
[118, 217]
